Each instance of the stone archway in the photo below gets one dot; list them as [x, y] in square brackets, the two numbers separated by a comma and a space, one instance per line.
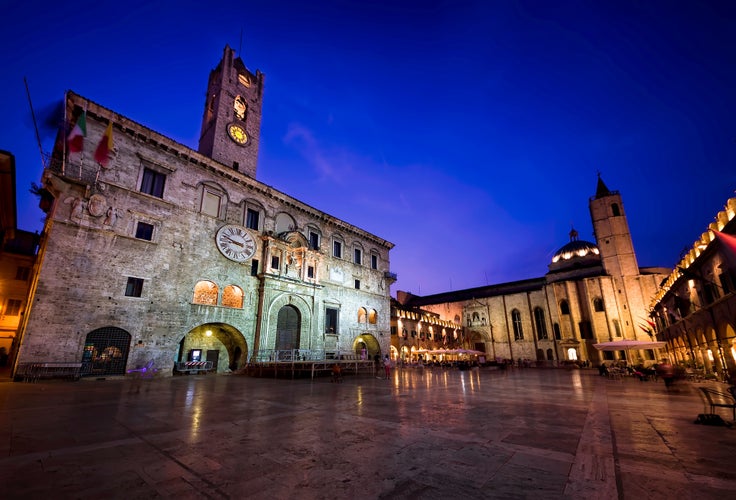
[220, 343]
[288, 325]
[106, 352]
[369, 342]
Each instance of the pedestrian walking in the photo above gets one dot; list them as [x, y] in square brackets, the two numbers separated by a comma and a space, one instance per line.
[387, 366]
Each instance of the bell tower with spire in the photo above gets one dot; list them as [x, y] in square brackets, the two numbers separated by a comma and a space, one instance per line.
[612, 233]
[231, 125]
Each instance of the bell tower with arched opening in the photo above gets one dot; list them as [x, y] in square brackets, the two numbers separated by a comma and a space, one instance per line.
[612, 233]
[231, 125]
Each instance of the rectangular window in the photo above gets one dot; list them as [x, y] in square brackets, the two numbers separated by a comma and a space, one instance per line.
[275, 262]
[374, 261]
[331, 316]
[357, 284]
[153, 183]
[144, 231]
[12, 308]
[313, 240]
[254, 267]
[211, 203]
[357, 256]
[134, 287]
[337, 249]
[252, 218]
[22, 273]
[310, 272]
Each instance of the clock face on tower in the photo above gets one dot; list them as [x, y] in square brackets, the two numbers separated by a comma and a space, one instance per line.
[235, 243]
[237, 133]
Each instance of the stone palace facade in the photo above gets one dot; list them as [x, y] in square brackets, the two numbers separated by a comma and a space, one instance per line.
[156, 253]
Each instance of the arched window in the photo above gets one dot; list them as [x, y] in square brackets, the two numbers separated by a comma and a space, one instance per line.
[516, 320]
[205, 292]
[404, 333]
[232, 296]
[284, 223]
[476, 317]
[572, 355]
[372, 317]
[598, 304]
[540, 323]
[564, 307]
[362, 315]
[240, 108]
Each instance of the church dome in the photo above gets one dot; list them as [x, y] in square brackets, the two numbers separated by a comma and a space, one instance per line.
[575, 254]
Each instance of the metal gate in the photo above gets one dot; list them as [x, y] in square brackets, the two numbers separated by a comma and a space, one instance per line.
[105, 352]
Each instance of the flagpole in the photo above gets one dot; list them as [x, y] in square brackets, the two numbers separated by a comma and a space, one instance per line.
[35, 126]
[63, 135]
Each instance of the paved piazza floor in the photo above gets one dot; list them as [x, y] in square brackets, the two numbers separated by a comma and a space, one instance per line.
[423, 434]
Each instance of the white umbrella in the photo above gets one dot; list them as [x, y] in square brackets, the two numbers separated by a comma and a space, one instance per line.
[625, 345]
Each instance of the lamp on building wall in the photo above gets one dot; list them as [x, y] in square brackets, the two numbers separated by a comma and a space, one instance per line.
[208, 333]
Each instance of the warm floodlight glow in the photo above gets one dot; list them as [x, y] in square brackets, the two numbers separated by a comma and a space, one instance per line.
[208, 333]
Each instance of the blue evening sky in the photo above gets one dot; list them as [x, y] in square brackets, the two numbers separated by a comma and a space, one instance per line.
[468, 133]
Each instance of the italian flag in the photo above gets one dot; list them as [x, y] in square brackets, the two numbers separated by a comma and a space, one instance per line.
[102, 153]
[78, 133]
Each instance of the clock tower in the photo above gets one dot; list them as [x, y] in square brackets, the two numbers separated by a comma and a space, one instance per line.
[231, 124]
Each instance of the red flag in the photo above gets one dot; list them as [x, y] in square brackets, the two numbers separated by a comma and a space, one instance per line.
[78, 133]
[728, 242]
[102, 153]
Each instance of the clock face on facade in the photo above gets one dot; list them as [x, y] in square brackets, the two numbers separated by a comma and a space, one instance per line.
[235, 243]
[237, 133]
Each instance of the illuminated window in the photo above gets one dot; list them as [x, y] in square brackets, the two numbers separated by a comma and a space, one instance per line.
[205, 292]
[572, 355]
[362, 315]
[240, 108]
[232, 296]
[373, 317]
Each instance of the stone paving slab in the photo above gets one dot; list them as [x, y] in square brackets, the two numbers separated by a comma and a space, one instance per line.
[423, 434]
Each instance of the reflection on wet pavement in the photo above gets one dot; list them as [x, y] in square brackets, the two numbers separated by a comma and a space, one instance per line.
[425, 433]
